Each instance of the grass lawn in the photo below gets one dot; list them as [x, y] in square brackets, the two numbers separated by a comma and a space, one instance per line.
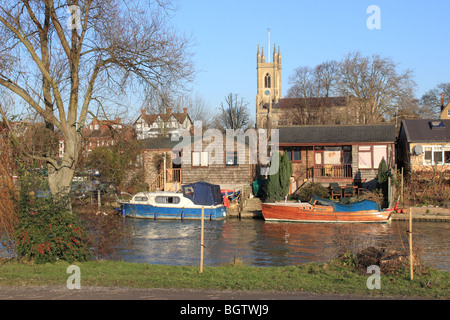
[311, 277]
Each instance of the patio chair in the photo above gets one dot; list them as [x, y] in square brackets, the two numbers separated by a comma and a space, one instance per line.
[336, 191]
[328, 170]
[349, 192]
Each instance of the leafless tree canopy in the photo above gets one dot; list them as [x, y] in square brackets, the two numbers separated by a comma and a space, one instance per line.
[432, 101]
[374, 82]
[61, 57]
[233, 114]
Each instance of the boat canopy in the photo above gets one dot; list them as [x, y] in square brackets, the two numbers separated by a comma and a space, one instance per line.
[203, 193]
[350, 207]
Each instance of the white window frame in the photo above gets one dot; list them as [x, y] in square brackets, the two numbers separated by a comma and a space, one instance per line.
[435, 149]
[200, 159]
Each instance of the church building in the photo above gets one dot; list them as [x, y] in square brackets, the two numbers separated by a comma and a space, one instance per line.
[268, 88]
[272, 110]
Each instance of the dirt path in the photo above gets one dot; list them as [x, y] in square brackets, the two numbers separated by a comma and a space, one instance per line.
[96, 293]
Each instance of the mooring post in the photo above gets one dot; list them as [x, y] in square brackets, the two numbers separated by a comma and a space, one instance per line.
[202, 240]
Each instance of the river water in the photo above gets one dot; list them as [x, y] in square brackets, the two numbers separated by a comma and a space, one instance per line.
[261, 243]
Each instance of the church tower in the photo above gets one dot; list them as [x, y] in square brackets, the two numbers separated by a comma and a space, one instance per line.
[268, 87]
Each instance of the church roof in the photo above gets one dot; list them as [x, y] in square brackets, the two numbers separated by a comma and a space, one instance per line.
[288, 103]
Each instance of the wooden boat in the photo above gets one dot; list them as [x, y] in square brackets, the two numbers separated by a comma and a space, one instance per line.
[322, 210]
[173, 205]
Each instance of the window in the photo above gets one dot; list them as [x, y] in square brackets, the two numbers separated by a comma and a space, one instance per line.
[200, 159]
[267, 81]
[140, 198]
[369, 157]
[293, 153]
[379, 152]
[170, 200]
[436, 155]
[365, 157]
[231, 159]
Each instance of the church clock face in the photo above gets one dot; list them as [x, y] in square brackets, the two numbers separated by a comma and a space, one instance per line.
[267, 92]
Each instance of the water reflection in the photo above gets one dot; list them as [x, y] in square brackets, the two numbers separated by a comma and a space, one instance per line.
[260, 243]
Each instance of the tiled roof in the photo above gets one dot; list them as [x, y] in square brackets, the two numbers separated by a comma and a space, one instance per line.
[422, 130]
[337, 134]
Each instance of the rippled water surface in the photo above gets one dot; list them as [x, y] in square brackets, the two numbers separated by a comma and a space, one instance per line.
[261, 243]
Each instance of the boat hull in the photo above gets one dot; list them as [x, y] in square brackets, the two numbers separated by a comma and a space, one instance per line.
[146, 211]
[320, 214]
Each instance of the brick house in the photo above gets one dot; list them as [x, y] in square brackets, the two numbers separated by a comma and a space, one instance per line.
[104, 133]
[424, 145]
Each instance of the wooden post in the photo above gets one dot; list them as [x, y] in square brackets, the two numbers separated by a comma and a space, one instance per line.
[401, 190]
[411, 257]
[99, 199]
[202, 246]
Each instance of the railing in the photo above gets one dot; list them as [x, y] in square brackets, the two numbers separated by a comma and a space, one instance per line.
[172, 176]
[330, 171]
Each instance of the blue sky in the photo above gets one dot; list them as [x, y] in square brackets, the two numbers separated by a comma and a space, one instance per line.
[415, 34]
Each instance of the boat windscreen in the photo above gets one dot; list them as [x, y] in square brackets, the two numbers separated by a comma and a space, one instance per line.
[203, 193]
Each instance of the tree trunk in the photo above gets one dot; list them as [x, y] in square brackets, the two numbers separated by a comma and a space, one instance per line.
[59, 179]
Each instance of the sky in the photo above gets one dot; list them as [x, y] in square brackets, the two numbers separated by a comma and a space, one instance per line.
[226, 34]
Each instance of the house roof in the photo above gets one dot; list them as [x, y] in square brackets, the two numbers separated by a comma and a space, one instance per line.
[426, 130]
[308, 135]
[150, 118]
[158, 143]
[183, 141]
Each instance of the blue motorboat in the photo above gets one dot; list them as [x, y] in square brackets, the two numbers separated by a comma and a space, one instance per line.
[175, 205]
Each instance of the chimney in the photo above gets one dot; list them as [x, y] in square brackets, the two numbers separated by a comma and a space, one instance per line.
[185, 110]
[143, 112]
[168, 111]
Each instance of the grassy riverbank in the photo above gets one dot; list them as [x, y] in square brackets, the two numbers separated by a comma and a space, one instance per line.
[311, 277]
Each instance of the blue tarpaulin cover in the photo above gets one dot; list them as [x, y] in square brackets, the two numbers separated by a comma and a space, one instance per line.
[351, 207]
[203, 193]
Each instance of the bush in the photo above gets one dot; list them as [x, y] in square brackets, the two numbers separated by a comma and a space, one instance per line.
[277, 186]
[47, 230]
[310, 189]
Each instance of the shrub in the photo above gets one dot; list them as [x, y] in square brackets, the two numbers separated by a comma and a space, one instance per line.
[312, 188]
[47, 230]
[277, 186]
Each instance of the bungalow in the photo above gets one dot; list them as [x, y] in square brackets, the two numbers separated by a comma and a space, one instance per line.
[210, 161]
[424, 145]
[192, 159]
[343, 153]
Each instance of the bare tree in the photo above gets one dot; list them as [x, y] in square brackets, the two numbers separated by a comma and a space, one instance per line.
[198, 109]
[316, 82]
[234, 115]
[432, 101]
[376, 84]
[61, 57]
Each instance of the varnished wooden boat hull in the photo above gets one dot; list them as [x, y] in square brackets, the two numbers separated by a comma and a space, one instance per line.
[304, 213]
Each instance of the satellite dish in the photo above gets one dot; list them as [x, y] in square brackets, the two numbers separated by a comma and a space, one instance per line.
[418, 150]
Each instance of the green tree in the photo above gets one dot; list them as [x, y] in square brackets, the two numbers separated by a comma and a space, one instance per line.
[277, 186]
